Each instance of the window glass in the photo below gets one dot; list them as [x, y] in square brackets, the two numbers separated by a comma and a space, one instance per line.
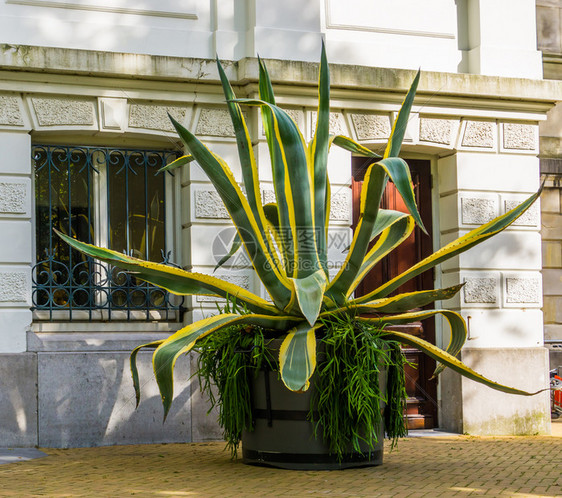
[136, 204]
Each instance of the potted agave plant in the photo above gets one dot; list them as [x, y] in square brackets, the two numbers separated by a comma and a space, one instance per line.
[314, 377]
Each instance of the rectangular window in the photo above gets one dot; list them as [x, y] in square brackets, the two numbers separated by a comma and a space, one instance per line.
[104, 196]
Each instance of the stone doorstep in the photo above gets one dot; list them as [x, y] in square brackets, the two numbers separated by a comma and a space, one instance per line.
[13, 455]
[556, 431]
[431, 433]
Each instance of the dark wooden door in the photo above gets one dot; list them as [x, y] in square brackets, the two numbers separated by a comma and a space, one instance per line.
[422, 392]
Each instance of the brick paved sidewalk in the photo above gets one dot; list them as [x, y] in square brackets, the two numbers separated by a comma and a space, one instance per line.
[449, 466]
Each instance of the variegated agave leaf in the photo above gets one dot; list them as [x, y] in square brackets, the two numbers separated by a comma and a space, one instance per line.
[286, 243]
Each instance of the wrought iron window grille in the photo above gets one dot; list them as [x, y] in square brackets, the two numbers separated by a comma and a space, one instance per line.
[105, 196]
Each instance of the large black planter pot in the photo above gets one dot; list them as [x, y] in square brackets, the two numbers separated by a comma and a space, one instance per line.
[284, 438]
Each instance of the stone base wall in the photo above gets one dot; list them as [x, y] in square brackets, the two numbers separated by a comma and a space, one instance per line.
[487, 412]
[77, 399]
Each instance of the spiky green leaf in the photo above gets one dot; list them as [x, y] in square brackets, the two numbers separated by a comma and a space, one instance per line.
[456, 322]
[295, 186]
[452, 249]
[310, 293]
[319, 148]
[236, 245]
[178, 163]
[272, 214]
[352, 146]
[134, 369]
[297, 357]
[371, 193]
[396, 304]
[390, 238]
[166, 354]
[174, 280]
[246, 155]
[399, 172]
[385, 218]
[239, 210]
[401, 123]
[452, 362]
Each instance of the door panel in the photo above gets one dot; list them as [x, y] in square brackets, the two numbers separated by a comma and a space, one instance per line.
[422, 392]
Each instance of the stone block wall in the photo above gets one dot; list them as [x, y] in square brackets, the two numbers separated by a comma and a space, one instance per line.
[552, 267]
[494, 169]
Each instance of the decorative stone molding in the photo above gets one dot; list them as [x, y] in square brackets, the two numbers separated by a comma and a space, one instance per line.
[13, 287]
[53, 111]
[13, 197]
[523, 290]
[208, 204]
[214, 122]
[10, 111]
[519, 136]
[337, 123]
[155, 117]
[340, 207]
[531, 217]
[113, 113]
[480, 290]
[371, 126]
[479, 134]
[239, 280]
[435, 130]
[477, 211]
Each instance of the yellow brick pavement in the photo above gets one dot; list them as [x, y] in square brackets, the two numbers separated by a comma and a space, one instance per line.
[436, 466]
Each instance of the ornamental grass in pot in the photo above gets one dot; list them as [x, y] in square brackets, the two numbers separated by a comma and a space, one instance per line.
[313, 342]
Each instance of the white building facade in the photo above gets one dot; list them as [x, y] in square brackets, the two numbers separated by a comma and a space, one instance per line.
[85, 88]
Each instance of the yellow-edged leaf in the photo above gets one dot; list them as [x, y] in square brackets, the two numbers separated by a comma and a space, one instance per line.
[452, 249]
[178, 163]
[352, 146]
[235, 202]
[134, 369]
[456, 322]
[247, 159]
[310, 292]
[297, 357]
[293, 186]
[236, 245]
[174, 280]
[318, 159]
[390, 238]
[396, 304]
[452, 362]
[401, 123]
[166, 354]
